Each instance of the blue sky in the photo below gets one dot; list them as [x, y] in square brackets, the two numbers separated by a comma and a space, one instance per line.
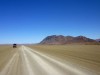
[29, 21]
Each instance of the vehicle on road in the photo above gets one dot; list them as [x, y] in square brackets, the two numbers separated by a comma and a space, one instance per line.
[14, 45]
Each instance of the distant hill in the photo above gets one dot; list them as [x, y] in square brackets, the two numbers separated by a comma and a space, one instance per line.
[60, 39]
[98, 40]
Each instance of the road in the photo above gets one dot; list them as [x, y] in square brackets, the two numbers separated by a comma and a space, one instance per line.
[27, 61]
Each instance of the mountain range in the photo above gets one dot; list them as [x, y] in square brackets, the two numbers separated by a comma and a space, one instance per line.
[60, 39]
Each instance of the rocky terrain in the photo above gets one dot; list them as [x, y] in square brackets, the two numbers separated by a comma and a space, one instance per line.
[60, 39]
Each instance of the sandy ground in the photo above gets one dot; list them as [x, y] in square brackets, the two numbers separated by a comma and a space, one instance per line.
[28, 61]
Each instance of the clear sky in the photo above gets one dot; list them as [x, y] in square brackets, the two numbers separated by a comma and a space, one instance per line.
[29, 21]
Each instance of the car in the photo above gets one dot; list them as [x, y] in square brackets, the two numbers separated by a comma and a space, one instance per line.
[14, 45]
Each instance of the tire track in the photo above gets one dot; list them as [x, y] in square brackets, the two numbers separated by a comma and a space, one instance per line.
[26, 67]
[27, 61]
[72, 70]
[48, 69]
[8, 67]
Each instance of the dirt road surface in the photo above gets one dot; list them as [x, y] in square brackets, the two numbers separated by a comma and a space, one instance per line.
[28, 61]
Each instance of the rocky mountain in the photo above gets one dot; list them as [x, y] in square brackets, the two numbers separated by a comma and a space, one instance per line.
[60, 39]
